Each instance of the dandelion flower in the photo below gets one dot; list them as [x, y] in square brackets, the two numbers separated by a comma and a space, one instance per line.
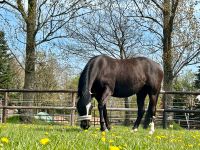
[158, 137]
[103, 133]
[5, 140]
[111, 141]
[44, 141]
[103, 139]
[114, 148]
[190, 145]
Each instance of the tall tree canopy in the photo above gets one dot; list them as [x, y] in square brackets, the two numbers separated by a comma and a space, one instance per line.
[197, 80]
[6, 72]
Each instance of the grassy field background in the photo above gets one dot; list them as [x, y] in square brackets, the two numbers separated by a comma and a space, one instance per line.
[48, 137]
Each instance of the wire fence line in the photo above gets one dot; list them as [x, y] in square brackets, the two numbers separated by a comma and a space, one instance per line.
[183, 110]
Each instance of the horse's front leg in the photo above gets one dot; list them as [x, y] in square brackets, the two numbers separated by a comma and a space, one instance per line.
[106, 117]
[104, 122]
[101, 115]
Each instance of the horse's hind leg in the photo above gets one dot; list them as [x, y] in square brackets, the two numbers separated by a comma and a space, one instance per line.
[140, 103]
[106, 117]
[151, 112]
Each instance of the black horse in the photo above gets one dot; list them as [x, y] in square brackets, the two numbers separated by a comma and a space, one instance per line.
[104, 76]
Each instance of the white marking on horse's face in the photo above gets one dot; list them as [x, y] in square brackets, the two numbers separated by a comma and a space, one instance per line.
[88, 108]
[87, 116]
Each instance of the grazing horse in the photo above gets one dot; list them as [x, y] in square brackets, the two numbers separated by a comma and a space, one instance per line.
[104, 76]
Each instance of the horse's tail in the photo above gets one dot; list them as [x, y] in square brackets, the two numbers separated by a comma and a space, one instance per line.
[85, 82]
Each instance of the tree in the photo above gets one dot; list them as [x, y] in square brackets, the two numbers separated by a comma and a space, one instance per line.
[197, 80]
[176, 25]
[47, 73]
[41, 22]
[184, 82]
[6, 73]
[107, 30]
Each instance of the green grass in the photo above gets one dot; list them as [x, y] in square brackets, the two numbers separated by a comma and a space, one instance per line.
[27, 137]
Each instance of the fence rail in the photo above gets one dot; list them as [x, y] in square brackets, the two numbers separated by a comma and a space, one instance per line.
[73, 93]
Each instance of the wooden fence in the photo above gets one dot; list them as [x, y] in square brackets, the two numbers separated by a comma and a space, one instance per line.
[72, 108]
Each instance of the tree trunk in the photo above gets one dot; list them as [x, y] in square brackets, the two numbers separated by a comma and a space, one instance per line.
[167, 46]
[167, 55]
[30, 58]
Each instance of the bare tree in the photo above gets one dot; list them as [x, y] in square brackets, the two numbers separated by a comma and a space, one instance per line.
[106, 31]
[41, 21]
[176, 29]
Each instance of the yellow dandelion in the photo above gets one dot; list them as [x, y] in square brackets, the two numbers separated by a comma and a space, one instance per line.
[94, 135]
[158, 137]
[44, 141]
[4, 126]
[103, 133]
[114, 148]
[50, 127]
[111, 141]
[190, 145]
[5, 140]
[194, 136]
[163, 136]
[103, 139]
[66, 127]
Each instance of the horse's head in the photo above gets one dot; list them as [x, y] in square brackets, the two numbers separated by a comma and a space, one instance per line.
[84, 114]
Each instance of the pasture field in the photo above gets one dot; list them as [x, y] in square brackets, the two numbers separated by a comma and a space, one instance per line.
[48, 137]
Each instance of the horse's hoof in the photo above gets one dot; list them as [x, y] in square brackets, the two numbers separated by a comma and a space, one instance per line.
[134, 130]
[103, 129]
[151, 132]
[109, 128]
[106, 130]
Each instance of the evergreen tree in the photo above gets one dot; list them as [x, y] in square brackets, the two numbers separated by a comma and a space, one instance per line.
[197, 81]
[5, 61]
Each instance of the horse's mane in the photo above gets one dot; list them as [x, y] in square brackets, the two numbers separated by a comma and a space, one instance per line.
[83, 85]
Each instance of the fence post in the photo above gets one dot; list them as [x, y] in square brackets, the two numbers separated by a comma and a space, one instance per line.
[4, 104]
[72, 121]
[164, 112]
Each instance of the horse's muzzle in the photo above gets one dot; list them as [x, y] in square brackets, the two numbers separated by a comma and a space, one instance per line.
[85, 124]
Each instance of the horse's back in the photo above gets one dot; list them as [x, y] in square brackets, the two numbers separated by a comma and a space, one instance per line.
[125, 77]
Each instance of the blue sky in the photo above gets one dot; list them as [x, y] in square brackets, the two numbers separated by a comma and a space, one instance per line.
[18, 47]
